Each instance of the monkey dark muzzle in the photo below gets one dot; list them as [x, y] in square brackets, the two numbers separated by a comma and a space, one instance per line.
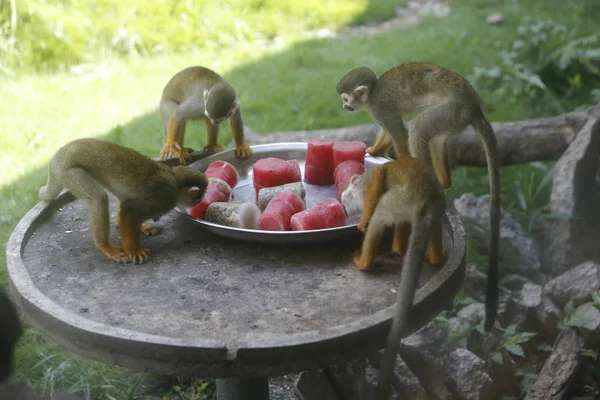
[349, 108]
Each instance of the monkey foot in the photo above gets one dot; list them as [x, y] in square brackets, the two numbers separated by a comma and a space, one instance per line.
[360, 263]
[174, 149]
[216, 148]
[149, 230]
[362, 226]
[137, 256]
[114, 253]
[436, 259]
[243, 152]
[401, 250]
[374, 151]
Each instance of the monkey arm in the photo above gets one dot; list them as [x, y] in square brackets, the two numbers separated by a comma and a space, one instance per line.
[212, 134]
[242, 150]
[130, 227]
[373, 192]
[382, 143]
[174, 139]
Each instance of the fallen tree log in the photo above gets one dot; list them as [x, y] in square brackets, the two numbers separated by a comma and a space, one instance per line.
[542, 139]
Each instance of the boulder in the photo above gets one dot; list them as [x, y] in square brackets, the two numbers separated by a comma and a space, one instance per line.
[571, 237]
[518, 252]
[575, 284]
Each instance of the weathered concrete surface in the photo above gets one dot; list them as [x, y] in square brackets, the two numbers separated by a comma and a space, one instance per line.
[204, 307]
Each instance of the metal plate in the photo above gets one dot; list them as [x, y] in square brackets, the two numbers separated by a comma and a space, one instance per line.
[244, 191]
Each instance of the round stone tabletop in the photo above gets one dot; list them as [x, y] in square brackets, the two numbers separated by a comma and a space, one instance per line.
[204, 306]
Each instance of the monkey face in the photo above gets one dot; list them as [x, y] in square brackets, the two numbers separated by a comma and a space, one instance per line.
[356, 101]
[190, 196]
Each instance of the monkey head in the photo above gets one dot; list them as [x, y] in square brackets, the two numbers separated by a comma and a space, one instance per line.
[355, 88]
[193, 184]
[220, 101]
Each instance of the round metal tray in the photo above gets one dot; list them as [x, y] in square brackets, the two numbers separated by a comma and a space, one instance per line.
[244, 191]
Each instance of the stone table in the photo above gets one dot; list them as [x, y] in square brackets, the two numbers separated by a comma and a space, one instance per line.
[203, 306]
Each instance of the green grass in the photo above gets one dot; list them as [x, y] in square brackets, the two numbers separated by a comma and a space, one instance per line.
[284, 82]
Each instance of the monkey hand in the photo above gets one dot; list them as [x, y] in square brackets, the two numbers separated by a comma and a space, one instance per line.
[434, 258]
[174, 149]
[243, 151]
[149, 230]
[137, 256]
[215, 148]
[362, 226]
[375, 151]
[360, 262]
[114, 253]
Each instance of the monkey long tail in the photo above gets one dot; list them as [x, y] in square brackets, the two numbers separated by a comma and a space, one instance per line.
[483, 127]
[415, 255]
[51, 189]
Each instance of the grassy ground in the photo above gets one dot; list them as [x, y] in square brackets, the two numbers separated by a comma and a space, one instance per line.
[284, 83]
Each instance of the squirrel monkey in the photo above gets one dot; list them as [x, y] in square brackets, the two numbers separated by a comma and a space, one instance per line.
[145, 189]
[199, 93]
[449, 104]
[404, 194]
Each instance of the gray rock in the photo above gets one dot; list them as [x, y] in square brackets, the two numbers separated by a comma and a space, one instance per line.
[576, 284]
[371, 377]
[349, 378]
[518, 253]
[531, 295]
[587, 318]
[406, 384]
[475, 284]
[541, 314]
[426, 354]
[468, 376]
[282, 387]
[514, 282]
[558, 372]
[472, 312]
[314, 385]
[572, 237]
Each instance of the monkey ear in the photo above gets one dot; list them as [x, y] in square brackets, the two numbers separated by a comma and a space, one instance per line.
[236, 104]
[362, 92]
[194, 190]
[205, 94]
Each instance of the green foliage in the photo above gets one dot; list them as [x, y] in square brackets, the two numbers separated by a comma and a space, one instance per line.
[56, 34]
[546, 60]
[511, 344]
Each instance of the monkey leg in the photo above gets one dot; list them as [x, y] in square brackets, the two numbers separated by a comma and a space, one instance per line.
[146, 229]
[444, 118]
[400, 241]
[436, 254]
[83, 186]
[130, 236]
[365, 259]
[382, 143]
[174, 140]
[236, 123]
[438, 147]
[212, 134]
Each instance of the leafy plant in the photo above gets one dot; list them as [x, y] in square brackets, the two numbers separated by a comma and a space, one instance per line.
[533, 190]
[511, 344]
[545, 60]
